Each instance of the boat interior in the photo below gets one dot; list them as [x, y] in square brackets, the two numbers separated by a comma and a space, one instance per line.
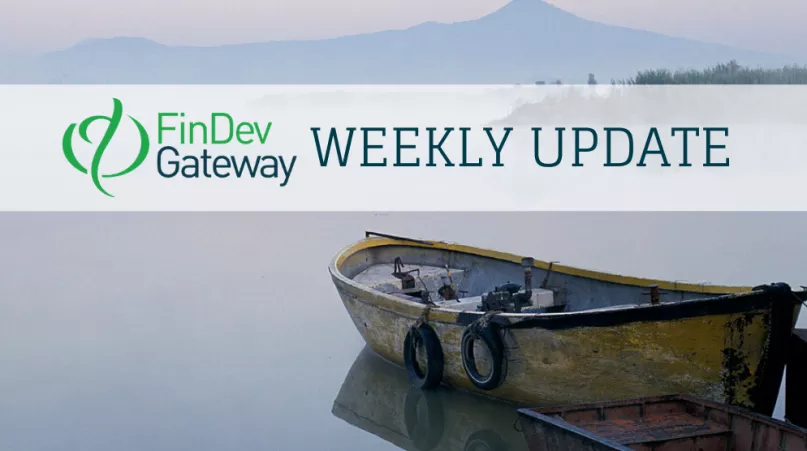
[675, 422]
[466, 281]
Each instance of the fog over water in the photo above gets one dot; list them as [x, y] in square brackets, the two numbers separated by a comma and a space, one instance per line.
[223, 331]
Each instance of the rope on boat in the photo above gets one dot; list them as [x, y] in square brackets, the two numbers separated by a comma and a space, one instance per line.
[483, 321]
[424, 317]
[428, 299]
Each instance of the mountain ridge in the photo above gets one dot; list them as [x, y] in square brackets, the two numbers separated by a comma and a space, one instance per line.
[522, 42]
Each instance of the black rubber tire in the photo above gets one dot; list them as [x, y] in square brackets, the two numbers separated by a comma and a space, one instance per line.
[433, 375]
[489, 335]
[425, 433]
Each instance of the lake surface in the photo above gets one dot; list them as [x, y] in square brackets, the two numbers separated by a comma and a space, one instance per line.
[224, 332]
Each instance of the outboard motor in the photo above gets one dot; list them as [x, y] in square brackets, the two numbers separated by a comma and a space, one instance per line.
[510, 298]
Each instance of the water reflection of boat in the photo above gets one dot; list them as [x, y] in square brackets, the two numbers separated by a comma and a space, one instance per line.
[378, 398]
[452, 314]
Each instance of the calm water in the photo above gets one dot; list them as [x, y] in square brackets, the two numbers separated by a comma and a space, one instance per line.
[223, 331]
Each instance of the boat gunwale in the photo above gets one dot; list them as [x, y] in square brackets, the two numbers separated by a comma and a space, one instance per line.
[372, 242]
[413, 310]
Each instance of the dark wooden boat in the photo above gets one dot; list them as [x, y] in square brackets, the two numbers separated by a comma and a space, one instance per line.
[668, 423]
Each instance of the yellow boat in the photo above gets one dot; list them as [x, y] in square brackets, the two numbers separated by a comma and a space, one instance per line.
[536, 332]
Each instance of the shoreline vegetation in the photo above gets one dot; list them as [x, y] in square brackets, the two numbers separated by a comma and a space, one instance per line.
[574, 103]
[731, 73]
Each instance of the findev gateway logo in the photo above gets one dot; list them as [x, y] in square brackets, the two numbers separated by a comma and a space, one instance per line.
[113, 122]
[221, 129]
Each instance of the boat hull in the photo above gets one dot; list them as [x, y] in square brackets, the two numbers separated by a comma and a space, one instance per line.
[725, 350]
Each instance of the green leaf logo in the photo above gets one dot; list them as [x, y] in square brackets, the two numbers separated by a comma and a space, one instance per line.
[113, 122]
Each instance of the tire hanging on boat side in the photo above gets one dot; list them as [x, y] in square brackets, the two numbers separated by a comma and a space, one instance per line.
[432, 376]
[488, 334]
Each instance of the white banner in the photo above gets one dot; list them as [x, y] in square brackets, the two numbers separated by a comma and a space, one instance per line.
[402, 148]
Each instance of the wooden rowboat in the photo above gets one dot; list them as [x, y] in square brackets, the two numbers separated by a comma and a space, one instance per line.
[474, 319]
[669, 423]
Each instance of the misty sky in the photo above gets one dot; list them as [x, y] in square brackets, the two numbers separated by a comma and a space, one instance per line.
[42, 25]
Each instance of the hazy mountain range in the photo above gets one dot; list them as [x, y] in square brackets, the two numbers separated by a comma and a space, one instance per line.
[523, 42]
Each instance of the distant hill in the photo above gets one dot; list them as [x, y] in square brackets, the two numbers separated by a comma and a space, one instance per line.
[523, 42]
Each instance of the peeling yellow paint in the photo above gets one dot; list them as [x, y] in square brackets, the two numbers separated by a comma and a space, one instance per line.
[548, 367]
[716, 357]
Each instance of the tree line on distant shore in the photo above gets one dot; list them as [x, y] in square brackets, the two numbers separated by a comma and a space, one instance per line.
[730, 73]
